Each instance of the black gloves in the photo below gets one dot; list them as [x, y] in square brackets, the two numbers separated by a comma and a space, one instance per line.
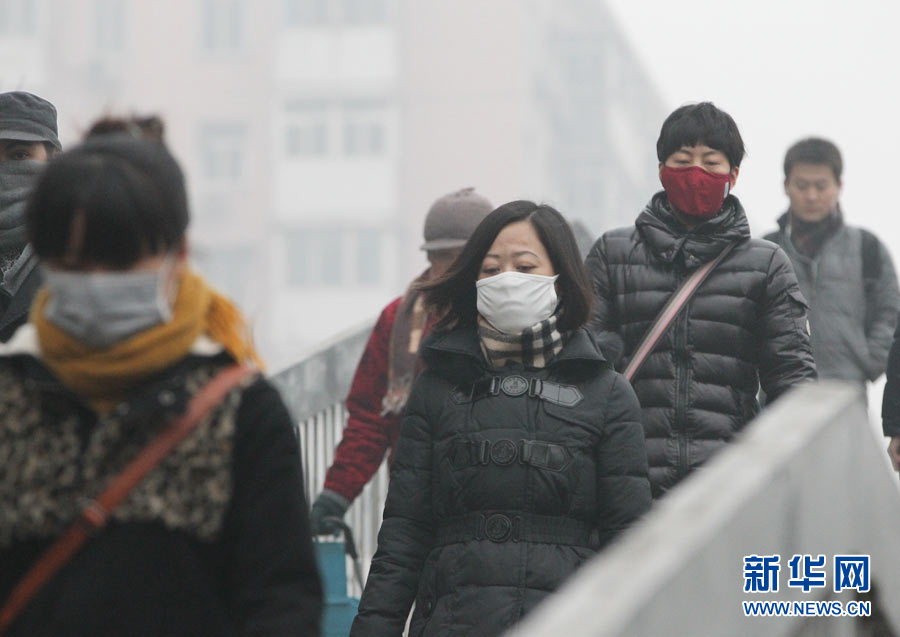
[328, 504]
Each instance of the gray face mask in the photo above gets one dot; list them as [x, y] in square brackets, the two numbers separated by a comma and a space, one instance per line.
[100, 309]
[17, 178]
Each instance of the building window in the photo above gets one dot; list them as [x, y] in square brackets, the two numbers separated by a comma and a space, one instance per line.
[310, 13]
[355, 128]
[110, 24]
[310, 139]
[18, 17]
[305, 12]
[314, 257]
[364, 124]
[221, 151]
[363, 138]
[221, 25]
[228, 269]
[335, 256]
[306, 129]
[364, 11]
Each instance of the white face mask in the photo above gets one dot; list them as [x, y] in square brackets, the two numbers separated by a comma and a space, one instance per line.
[514, 301]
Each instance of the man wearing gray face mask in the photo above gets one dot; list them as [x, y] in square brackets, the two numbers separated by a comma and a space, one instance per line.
[28, 138]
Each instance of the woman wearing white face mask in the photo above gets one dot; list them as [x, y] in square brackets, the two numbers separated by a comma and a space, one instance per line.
[106, 382]
[521, 452]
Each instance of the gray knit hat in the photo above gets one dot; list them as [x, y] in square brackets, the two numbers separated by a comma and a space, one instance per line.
[28, 118]
[452, 219]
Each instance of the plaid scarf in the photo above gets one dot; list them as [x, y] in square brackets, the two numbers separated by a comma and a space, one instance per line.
[534, 347]
[407, 331]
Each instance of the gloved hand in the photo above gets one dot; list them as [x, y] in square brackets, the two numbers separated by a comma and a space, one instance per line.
[328, 504]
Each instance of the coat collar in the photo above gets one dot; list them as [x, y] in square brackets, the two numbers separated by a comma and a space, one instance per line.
[667, 237]
[457, 352]
[164, 392]
[785, 231]
[784, 221]
[24, 341]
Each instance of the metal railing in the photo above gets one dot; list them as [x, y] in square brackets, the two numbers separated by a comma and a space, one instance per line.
[314, 390]
[808, 477]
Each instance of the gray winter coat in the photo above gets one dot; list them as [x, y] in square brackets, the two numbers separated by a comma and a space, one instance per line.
[852, 306]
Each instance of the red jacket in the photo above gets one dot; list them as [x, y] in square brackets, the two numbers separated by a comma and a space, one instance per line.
[368, 434]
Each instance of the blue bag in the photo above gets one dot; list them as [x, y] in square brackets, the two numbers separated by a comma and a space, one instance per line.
[339, 609]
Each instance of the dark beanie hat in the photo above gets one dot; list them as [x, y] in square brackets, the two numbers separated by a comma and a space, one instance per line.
[28, 118]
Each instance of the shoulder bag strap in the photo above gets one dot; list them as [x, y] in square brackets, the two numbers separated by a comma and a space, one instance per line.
[671, 309]
[95, 515]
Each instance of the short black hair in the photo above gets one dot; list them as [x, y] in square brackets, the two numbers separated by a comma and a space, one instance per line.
[453, 295]
[702, 123]
[814, 150]
[111, 201]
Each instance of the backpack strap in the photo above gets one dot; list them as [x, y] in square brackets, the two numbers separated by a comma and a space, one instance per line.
[871, 272]
[871, 255]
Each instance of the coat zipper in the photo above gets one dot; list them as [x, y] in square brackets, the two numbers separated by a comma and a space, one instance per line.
[681, 380]
[814, 275]
[681, 391]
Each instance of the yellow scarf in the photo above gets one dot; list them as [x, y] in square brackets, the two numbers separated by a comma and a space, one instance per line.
[105, 376]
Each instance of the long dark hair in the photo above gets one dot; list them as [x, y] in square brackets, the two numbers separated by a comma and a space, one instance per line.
[453, 295]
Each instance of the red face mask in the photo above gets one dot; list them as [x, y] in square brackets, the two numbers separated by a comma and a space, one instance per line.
[694, 191]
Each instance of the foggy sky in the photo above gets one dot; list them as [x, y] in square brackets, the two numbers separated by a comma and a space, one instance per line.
[785, 70]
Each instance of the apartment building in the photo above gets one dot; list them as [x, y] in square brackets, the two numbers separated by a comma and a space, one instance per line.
[316, 133]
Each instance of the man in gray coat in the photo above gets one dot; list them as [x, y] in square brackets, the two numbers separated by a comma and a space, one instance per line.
[845, 273]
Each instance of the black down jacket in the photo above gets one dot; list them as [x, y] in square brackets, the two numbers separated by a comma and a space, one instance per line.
[890, 404]
[504, 482]
[745, 326]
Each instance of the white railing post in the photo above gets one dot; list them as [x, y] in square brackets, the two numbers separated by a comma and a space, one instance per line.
[314, 389]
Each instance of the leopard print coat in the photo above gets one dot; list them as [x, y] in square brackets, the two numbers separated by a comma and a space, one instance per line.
[56, 453]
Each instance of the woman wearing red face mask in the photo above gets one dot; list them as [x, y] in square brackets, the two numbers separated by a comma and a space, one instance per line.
[743, 326]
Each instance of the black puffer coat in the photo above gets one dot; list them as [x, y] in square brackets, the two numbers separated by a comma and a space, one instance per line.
[890, 405]
[501, 488]
[746, 325]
